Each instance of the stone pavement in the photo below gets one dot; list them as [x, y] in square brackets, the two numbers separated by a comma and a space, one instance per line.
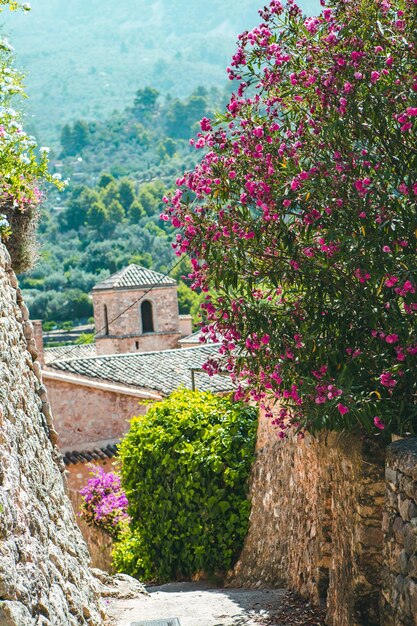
[199, 604]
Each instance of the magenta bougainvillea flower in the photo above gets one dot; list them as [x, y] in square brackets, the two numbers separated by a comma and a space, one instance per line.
[104, 502]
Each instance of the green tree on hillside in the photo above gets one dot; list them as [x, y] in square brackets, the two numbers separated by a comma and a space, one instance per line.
[74, 138]
[126, 193]
[145, 101]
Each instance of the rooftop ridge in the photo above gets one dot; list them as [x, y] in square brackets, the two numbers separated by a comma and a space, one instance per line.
[139, 354]
[134, 276]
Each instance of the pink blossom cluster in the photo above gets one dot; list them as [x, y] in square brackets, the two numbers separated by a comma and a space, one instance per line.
[301, 223]
[104, 501]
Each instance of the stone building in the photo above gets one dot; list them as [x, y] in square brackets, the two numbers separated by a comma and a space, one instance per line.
[136, 310]
[95, 396]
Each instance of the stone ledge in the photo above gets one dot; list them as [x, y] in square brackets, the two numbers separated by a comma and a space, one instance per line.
[402, 455]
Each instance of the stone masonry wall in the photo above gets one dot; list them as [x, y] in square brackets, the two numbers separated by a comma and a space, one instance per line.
[85, 414]
[399, 591]
[316, 522]
[44, 574]
[100, 544]
[151, 342]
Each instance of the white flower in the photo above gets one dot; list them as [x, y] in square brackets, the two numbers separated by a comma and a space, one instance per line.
[3, 221]
[25, 159]
[6, 45]
[57, 176]
[44, 150]
[26, 6]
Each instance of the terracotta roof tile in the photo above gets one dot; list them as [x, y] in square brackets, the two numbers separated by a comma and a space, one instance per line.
[89, 456]
[69, 352]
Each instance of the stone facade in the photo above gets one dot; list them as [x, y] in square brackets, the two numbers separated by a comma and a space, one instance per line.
[399, 592]
[100, 544]
[316, 522]
[89, 411]
[44, 575]
[186, 325]
[78, 474]
[125, 333]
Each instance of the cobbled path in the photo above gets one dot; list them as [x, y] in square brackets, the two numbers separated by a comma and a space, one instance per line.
[198, 604]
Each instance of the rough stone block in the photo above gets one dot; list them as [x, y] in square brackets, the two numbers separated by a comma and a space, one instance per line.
[370, 536]
[398, 528]
[403, 562]
[15, 614]
[412, 566]
[391, 476]
[404, 507]
[410, 539]
[413, 598]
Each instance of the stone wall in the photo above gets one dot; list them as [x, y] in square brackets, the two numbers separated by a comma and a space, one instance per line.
[316, 522]
[44, 574]
[78, 474]
[399, 592]
[151, 342]
[100, 544]
[88, 412]
[186, 325]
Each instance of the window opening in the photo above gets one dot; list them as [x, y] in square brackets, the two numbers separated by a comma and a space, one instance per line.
[147, 317]
[106, 321]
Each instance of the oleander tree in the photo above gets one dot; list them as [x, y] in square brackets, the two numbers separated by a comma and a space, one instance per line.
[23, 167]
[302, 217]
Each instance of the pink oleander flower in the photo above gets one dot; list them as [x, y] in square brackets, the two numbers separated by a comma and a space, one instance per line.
[391, 281]
[378, 423]
[387, 380]
[342, 409]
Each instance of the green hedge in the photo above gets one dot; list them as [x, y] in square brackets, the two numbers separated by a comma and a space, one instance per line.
[185, 469]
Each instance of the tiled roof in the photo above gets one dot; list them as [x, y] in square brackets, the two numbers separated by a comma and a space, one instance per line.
[194, 338]
[162, 371]
[62, 353]
[89, 456]
[199, 338]
[135, 277]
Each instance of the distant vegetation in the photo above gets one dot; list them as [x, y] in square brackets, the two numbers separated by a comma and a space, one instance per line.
[85, 59]
[108, 217]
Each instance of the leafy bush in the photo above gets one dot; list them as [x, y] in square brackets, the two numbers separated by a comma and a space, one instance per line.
[185, 468]
[104, 502]
[305, 219]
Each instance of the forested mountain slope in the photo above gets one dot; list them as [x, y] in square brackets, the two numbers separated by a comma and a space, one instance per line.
[86, 58]
[108, 216]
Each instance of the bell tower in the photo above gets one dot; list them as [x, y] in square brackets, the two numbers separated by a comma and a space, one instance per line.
[136, 310]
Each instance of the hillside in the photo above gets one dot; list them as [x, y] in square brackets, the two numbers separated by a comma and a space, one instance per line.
[108, 216]
[85, 59]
